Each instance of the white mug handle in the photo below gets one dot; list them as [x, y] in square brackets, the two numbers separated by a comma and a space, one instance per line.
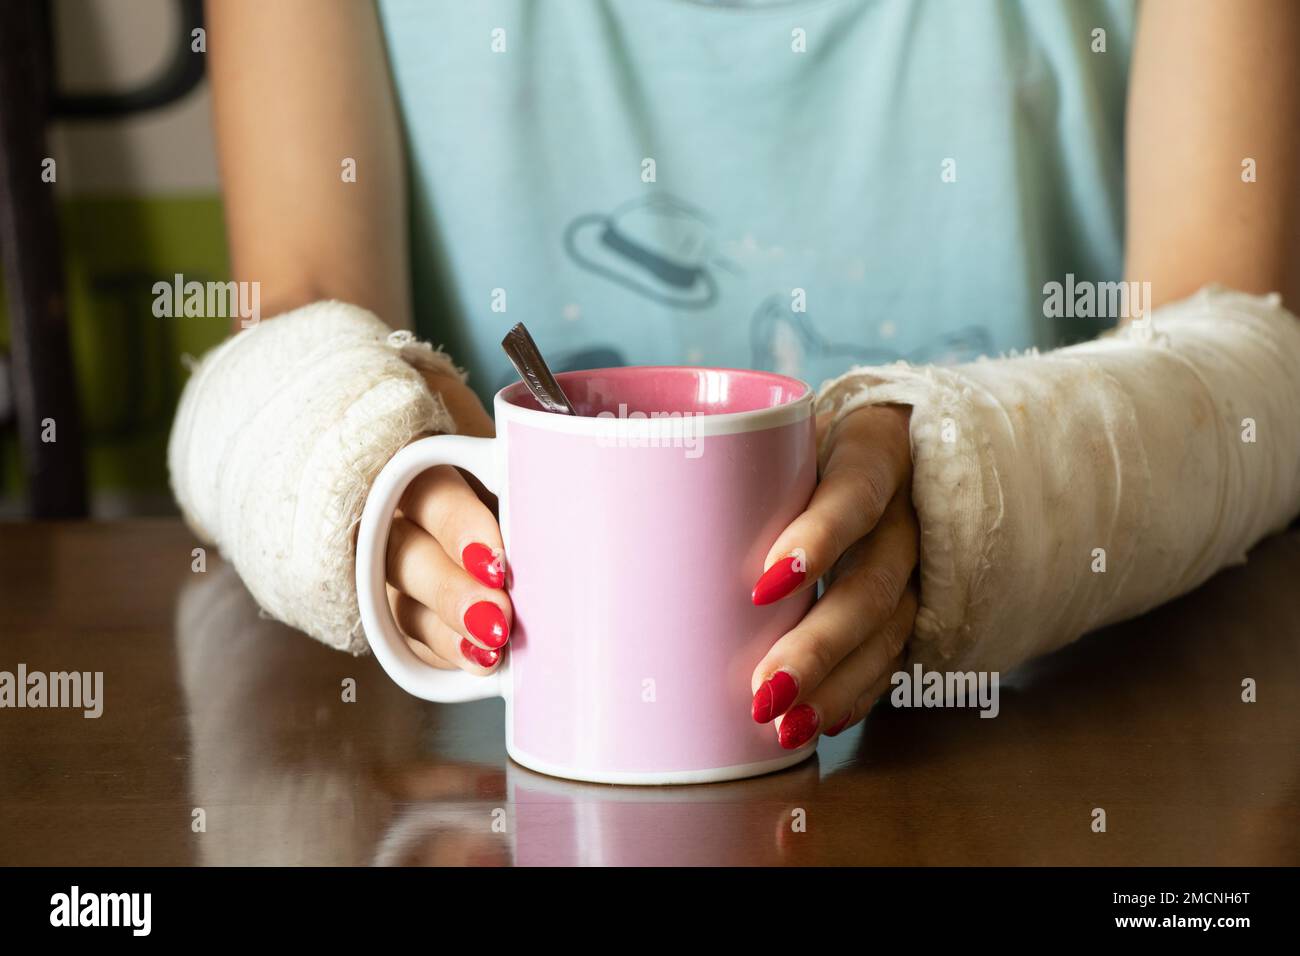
[475, 455]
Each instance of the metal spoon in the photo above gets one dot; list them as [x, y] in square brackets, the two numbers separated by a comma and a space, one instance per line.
[533, 370]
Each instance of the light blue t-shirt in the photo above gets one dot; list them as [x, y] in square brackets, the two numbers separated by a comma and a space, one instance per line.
[799, 186]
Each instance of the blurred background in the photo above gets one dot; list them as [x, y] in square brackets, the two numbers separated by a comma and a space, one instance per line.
[113, 92]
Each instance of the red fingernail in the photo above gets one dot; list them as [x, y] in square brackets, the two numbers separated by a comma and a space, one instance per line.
[774, 697]
[481, 657]
[779, 580]
[843, 722]
[798, 727]
[486, 622]
[485, 564]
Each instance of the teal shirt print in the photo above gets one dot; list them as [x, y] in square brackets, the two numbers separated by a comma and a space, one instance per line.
[795, 186]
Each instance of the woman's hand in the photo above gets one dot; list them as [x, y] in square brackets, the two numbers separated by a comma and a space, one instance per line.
[861, 532]
[446, 565]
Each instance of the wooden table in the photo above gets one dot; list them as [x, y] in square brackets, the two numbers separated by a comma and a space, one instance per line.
[225, 739]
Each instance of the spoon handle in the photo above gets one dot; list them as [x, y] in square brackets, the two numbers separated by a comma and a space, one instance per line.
[536, 374]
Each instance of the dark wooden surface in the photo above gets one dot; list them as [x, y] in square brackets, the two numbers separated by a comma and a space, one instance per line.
[208, 706]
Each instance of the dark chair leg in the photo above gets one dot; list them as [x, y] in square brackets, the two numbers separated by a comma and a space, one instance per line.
[44, 385]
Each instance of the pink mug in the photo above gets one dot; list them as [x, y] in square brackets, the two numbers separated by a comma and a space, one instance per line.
[634, 533]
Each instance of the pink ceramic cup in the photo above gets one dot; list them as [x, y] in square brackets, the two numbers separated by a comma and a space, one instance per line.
[632, 545]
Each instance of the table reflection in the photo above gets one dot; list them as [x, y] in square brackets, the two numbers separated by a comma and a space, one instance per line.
[1144, 720]
[288, 772]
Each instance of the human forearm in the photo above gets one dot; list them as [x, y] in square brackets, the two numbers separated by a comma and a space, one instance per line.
[1061, 492]
[1213, 148]
[301, 97]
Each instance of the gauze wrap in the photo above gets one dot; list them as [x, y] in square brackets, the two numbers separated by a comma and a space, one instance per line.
[1136, 444]
[280, 432]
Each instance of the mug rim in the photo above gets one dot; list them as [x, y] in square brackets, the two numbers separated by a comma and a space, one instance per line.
[754, 419]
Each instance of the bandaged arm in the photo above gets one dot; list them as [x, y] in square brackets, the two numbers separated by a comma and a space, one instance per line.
[1064, 491]
[278, 437]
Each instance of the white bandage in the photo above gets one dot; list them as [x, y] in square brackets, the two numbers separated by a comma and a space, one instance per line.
[280, 432]
[1160, 453]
